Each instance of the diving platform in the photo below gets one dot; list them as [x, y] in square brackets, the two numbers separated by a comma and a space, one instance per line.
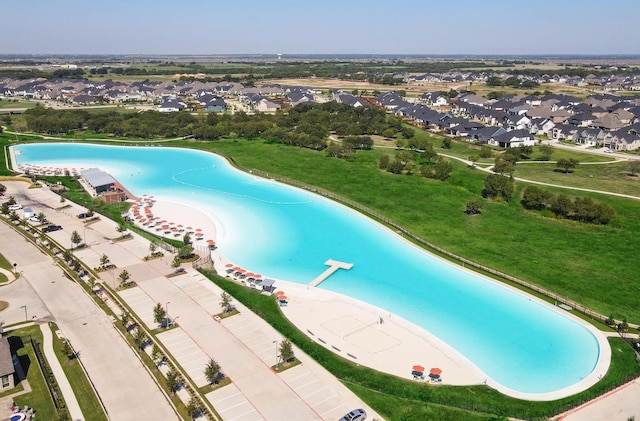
[334, 265]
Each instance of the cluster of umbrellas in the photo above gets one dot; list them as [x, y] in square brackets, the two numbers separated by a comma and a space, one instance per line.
[36, 169]
[241, 273]
[434, 373]
[281, 296]
[142, 213]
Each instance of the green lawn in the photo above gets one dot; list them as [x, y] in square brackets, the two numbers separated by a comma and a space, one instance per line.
[39, 397]
[613, 177]
[574, 260]
[4, 103]
[89, 404]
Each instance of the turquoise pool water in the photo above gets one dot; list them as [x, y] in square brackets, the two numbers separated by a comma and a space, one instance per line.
[286, 233]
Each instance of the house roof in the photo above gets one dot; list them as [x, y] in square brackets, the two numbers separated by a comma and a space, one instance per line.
[6, 362]
[97, 178]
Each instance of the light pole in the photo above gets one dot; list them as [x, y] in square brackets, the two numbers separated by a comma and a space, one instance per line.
[277, 360]
[25, 312]
[166, 310]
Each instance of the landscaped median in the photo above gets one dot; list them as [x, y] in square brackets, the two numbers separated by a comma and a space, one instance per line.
[397, 398]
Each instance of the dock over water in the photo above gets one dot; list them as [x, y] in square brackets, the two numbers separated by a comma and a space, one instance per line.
[334, 265]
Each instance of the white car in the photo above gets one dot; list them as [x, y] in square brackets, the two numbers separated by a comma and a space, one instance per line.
[355, 415]
[15, 207]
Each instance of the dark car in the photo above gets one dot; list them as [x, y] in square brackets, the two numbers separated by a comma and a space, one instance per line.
[85, 215]
[50, 228]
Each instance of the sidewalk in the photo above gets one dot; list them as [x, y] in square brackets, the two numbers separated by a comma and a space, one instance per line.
[61, 378]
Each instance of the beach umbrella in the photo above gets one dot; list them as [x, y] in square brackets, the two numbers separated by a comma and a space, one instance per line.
[229, 265]
[198, 229]
[436, 371]
[418, 368]
[257, 275]
[278, 293]
[282, 297]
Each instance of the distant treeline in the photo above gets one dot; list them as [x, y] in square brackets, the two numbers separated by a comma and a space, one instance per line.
[305, 125]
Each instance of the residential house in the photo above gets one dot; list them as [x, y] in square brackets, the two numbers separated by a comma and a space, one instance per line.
[484, 134]
[564, 132]
[171, 105]
[541, 126]
[589, 137]
[7, 369]
[265, 106]
[513, 139]
[83, 100]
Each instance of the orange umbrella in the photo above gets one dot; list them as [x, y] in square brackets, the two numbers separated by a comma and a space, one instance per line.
[418, 368]
[436, 371]
[279, 293]
[229, 265]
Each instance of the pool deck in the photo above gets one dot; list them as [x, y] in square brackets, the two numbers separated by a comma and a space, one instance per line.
[334, 265]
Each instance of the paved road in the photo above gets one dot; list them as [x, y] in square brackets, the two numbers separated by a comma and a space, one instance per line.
[123, 383]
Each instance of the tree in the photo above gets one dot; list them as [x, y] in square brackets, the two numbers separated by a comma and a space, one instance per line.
[176, 262]
[75, 238]
[225, 302]
[634, 167]
[185, 252]
[567, 164]
[383, 162]
[194, 408]
[155, 353]
[211, 371]
[186, 240]
[160, 315]
[503, 166]
[498, 186]
[286, 351]
[104, 260]
[536, 198]
[429, 153]
[153, 247]
[173, 381]
[546, 150]
[561, 205]
[122, 229]
[124, 277]
[42, 217]
[125, 318]
[446, 143]
[442, 169]
[474, 158]
[140, 338]
[67, 349]
[473, 206]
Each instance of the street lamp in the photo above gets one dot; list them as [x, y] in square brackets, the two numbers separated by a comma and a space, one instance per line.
[277, 360]
[166, 310]
[25, 312]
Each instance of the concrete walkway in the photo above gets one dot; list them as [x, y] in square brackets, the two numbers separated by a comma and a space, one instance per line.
[61, 378]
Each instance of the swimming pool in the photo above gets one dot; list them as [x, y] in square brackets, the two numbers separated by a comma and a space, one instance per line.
[288, 233]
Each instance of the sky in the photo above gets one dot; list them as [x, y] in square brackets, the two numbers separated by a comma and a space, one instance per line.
[213, 27]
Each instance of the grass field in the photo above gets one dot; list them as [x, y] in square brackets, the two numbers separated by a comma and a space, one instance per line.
[16, 104]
